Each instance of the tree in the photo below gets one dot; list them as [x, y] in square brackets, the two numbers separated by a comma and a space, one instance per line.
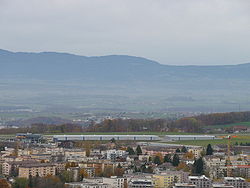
[184, 149]
[87, 148]
[112, 140]
[189, 155]
[183, 166]
[130, 151]
[21, 183]
[49, 182]
[167, 158]
[66, 176]
[160, 156]
[157, 160]
[30, 181]
[4, 184]
[198, 166]
[108, 171]
[177, 150]
[176, 160]
[83, 173]
[138, 150]
[209, 150]
[119, 171]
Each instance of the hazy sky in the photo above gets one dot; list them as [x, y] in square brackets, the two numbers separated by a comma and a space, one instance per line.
[176, 32]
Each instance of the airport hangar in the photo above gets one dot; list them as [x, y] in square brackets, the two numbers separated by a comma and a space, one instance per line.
[190, 137]
[60, 138]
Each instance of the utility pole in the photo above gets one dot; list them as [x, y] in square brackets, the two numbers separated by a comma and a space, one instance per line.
[228, 162]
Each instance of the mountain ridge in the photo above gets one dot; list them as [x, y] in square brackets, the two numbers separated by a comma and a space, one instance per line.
[8, 52]
[51, 75]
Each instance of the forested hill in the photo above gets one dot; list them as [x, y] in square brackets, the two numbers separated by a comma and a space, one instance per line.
[50, 78]
[54, 66]
[188, 124]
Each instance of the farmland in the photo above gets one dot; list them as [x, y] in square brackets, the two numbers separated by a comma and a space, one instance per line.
[239, 139]
[247, 124]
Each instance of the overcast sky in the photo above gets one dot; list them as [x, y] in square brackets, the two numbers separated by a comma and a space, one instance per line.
[179, 32]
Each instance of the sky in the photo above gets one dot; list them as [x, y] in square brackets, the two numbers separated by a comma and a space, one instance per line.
[174, 32]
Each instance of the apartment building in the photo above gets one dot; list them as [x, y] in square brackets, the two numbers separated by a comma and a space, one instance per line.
[236, 182]
[200, 181]
[169, 178]
[11, 168]
[39, 169]
[184, 185]
[115, 182]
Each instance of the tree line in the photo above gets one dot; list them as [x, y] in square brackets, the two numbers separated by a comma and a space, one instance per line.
[185, 124]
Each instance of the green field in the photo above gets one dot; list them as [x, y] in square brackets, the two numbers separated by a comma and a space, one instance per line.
[124, 133]
[231, 125]
[239, 139]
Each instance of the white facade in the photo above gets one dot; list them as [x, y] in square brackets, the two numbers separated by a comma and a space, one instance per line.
[114, 182]
[113, 154]
[103, 137]
[190, 137]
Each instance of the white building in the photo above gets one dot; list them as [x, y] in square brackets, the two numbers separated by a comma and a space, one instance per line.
[200, 181]
[222, 185]
[184, 185]
[115, 182]
[59, 138]
[190, 137]
[236, 182]
[113, 154]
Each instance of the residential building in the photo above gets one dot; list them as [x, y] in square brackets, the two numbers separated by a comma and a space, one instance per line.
[113, 154]
[236, 182]
[115, 182]
[11, 168]
[169, 178]
[86, 185]
[200, 181]
[39, 169]
[196, 151]
[184, 185]
[221, 185]
[74, 155]
[139, 183]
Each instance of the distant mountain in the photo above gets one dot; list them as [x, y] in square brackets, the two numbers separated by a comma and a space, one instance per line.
[43, 77]
[40, 120]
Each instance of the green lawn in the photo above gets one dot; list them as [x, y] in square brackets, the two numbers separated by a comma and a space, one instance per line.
[239, 139]
[231, 125]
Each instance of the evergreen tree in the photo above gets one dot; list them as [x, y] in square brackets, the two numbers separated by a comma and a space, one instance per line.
[176, 160]
[138, 150]
[112, 140]
[30, 181]
[157, 160]
[150, 159]
[209, 150]
[184, 149]
[198, 166]
[177, 150]
[167, 158]
[130, 151]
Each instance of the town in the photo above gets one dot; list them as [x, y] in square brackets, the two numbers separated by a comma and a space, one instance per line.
[121, 161]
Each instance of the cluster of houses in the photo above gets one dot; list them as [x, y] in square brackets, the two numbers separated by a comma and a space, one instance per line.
[110, 165]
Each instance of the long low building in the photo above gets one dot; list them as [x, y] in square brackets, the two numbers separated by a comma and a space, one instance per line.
[190, 137]
[58, 138]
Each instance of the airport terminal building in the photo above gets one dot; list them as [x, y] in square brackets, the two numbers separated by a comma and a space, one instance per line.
[189, 137]
[60, 138]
